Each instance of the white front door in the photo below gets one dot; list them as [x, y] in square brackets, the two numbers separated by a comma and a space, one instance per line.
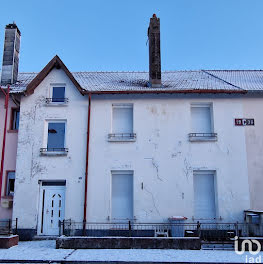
[52, 203]
[122, 196]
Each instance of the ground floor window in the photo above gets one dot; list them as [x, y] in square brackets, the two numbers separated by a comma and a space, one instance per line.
[122, 195]
[10, 183]
[204, 195]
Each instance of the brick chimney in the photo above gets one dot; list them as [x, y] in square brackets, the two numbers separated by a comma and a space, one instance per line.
[11, 54]
[154, 52]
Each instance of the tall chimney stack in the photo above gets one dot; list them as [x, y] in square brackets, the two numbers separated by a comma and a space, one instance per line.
[154, 52]
[11, 54]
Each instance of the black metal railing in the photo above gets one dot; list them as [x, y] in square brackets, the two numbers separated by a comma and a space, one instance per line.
[56, 100]
[121, 136]
[205, 231]
[203, 135]
[8, 227]
[46, 150]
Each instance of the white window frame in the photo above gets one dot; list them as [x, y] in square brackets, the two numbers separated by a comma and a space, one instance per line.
[45, 138]
[198, 137]
[50, 95]
[115, 137]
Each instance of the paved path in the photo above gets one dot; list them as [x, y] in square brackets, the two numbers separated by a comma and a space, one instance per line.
[45, 251]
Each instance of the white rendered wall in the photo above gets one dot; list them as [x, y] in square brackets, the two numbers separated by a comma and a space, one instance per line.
[162, 157]
[253, 108]
[32, 167]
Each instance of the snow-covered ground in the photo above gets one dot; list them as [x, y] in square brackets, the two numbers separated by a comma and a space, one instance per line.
[45, 250]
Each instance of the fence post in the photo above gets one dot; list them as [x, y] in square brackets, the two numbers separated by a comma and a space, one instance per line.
[9, 226]
[16, 226]
[199, 229]
[84, 228]
[63, 227]
[236, 228]
[129, 228]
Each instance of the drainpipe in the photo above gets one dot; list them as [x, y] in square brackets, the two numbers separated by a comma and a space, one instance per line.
[87, 168]
[6, 94]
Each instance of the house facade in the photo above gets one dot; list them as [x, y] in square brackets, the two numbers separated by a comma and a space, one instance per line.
[135, 146]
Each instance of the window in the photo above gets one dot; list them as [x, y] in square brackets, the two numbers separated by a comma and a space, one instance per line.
[122, 195]
[58, 94]
[202, 126]
[14, 124]
[10, 184]
[204, 195]
[122, 123]
[55, 138]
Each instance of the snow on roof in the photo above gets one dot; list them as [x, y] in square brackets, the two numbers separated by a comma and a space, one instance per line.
[222, 80]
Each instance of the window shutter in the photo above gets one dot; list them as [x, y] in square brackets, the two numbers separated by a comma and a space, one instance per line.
[122, 120]
[201, 119]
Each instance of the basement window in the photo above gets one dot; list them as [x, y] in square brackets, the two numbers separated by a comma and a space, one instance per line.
[58, 96]
[10, 183]
[122, 123]
[55, 139]
[202, 123]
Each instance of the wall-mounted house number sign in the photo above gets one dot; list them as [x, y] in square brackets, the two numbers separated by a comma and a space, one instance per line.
[244, 122]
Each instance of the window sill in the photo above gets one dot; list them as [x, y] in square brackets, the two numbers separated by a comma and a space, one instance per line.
[122, 137]
[49, 102]
[202, 137]
[46, 152]
[12, 131]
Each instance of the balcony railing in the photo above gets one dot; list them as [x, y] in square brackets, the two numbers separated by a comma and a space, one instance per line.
[122, 137]
[57, 100]
[202, 136]
[53, 151]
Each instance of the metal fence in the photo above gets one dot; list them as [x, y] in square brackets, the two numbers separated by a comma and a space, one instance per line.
[8, 227]
[205, 231]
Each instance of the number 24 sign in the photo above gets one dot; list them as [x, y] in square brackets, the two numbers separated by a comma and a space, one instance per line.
[244, 122]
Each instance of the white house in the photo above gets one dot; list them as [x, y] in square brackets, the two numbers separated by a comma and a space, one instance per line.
[118, 146]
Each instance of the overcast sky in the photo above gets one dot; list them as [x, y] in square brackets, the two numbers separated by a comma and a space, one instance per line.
[111, 35]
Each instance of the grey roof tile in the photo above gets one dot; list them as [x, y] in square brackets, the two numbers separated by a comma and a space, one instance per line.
[174, 80]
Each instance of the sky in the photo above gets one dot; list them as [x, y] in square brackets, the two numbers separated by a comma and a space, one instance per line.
[103, 35]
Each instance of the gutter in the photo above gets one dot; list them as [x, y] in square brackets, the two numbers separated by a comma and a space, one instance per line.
[87, 168]
[193, 91]
[6, 94]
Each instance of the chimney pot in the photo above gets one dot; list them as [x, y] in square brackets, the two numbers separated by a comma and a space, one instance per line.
[11, 54]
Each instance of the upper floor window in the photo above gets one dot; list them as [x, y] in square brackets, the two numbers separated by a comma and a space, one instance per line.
[10, 183]
[202, 123]
[15, 114]
[55, 138]
[122, 123]
[57, 95]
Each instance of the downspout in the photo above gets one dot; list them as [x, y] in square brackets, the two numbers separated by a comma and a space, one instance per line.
[87, 168]
[4, 137]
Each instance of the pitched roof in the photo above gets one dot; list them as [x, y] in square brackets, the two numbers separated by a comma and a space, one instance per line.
[208, 81]
[56, 62]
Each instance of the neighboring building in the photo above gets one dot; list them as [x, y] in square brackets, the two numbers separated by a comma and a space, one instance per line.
[119, 146]
[9, 122]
